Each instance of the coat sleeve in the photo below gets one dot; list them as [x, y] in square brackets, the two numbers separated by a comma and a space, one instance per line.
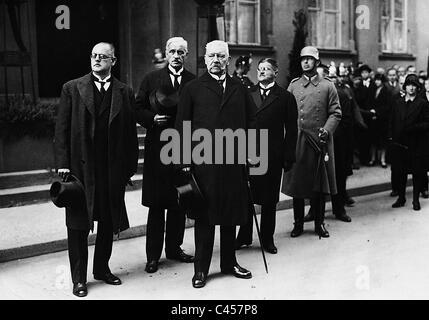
[132, 140]
[357, 114]
[250, 111]
[144, 114]
[291, 125]
[63, 130]
[184, 113]
[423, 125]
[334, 110]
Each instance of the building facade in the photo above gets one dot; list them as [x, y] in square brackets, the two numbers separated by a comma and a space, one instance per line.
[47, 42]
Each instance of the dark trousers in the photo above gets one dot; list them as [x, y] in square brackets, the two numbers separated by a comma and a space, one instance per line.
[342, 166]
[78, 251]
[316, 203]
[399, 182]
[204, 241]
[174, 232]
[425, 182]
[268, 226]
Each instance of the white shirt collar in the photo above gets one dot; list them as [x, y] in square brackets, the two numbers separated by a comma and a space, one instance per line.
[173, 71]
[407, 98]
[102, 80]
[268, 86]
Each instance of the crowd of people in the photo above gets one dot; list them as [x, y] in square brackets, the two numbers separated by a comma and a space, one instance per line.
[315, 129]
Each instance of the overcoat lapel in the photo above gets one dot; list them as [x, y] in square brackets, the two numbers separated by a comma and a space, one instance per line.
[117, 94]
[86, 92]
[273, 96]
[210, 83]
[231, 87]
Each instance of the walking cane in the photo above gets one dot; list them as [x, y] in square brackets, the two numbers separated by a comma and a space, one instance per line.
[252, 205]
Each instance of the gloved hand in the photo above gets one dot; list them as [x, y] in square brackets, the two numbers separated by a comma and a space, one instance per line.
[323, 135]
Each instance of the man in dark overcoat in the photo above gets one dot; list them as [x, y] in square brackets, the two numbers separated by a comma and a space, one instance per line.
[158, 192]
[319, 114]
[277, 113]
[408, 134]
[363, 94]
[96, 141]
[217, 101]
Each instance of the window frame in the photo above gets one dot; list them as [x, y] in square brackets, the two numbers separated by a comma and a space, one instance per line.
[392, 19]
[234, 14]
[339, 17]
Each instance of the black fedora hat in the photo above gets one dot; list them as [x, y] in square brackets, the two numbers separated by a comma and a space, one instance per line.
[189, 195]
[364, 67]
[164, 100]
[68, 194]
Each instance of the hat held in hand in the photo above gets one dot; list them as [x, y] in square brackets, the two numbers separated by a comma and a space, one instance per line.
[189, 195]
[164, 100]
[68, 194]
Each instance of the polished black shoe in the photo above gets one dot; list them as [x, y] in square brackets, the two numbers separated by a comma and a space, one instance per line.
[238, 272]
[425, 194]
[321, 231]
[343, 217]
[199, 280]
[416, 206]
[394, 194]
[399, 203]
[80, 290]
[298, 230]
[151, 266]
[270, 249]
[109, 278]
[180, 256]
[240, 245]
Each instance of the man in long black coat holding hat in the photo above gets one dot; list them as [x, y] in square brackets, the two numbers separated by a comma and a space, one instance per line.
[158, 192]
[96, 141]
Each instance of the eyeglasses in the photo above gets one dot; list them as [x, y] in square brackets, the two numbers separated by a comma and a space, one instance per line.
[102, 56]
[219, 56]
[264, 69]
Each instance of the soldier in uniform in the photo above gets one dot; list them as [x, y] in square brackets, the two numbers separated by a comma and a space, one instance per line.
[242, 67]
[319, 114]
[158, 192]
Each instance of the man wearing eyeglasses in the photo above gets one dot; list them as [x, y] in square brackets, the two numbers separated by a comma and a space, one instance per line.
[277, 112]
[158, 192]
[96, 142]
[217, 101]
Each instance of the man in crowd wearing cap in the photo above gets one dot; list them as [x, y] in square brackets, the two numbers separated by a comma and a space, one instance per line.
[213, 102]
[276, 112]
[158, 190]
[319, 113]
[242, 68]
[408, 134]
[96, 142]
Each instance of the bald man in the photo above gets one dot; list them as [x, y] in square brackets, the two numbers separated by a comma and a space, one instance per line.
[96, 142]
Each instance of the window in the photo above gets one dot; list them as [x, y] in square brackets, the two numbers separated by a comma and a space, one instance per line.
[325, 24]
[394, 26]
[243, 22]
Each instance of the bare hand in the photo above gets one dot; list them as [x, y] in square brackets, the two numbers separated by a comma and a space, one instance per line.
[63, 173]
[161, 120]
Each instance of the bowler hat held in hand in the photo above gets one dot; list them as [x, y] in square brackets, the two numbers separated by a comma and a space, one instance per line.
[164, 100]
[189, 195]
[69, 193]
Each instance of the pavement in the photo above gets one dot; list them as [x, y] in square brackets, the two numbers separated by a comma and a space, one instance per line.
[37, 229]
[382, 254]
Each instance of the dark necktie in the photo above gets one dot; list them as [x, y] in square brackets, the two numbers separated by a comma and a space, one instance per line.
[176, 83]
[220, 82]
[264, 94]
[102, 83]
